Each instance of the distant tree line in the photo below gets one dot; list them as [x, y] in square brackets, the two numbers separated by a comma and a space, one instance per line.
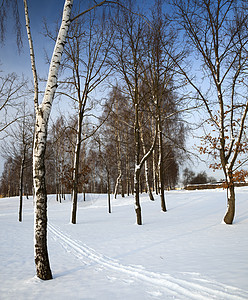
[190, 177]
[103, 157]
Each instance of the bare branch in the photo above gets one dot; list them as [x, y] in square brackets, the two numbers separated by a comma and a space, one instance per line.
[32, 57]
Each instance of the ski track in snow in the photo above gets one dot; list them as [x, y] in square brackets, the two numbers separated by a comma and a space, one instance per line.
[176, 288]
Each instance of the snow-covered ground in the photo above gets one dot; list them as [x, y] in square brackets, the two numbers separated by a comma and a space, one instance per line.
[185, 253]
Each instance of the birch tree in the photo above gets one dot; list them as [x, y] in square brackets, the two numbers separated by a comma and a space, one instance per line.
[128, 54]
[42, 111]
[84, 60]
[61, 152]
[146, 166]
[159, 76]
[117, 134]
[116, 116]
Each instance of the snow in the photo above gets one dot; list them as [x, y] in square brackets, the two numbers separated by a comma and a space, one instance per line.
[185, 253]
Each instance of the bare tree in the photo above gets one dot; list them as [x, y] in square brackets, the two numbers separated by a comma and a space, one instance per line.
[146, 165]
[115, 117]
[26, 143]
[117, 134]
[128, 56]
[60, 156]
[104, 153]
[158, 80]
[17, 147]
[217, 35]
[12, 89]
[84, 59]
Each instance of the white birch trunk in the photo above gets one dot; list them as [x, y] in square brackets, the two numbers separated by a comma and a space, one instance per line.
[146, 167]
[118, 150]
[117, 184]
[127, 170]
[40, 138]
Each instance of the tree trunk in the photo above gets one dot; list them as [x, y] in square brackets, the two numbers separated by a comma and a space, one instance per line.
[229, 216]
[155, 177]
[161, 167]
[76, 167]
[20, 193]
[127, 171]
[139, 163]
[108, 187]
[40, 195]
[74, 204]
[21, 183]
[136, 196]
[147, 182]
[118, 150]
[109, 203]
[56, 177]
[117, 184]
[146, 167]
[26, 191]
[154, 168]
[137, 167]
[128, 182]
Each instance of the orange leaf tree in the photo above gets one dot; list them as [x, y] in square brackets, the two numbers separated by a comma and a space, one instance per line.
[216, 32]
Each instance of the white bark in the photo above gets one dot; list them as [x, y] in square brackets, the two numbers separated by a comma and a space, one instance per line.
[118, 150]
[146, 166]
[40, 138]
[55, 61]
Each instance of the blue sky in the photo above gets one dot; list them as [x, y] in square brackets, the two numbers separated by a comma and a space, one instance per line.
[11, 60]
[50, 10]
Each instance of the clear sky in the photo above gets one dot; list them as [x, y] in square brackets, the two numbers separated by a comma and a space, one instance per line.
[49, 10]
[10, 59]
